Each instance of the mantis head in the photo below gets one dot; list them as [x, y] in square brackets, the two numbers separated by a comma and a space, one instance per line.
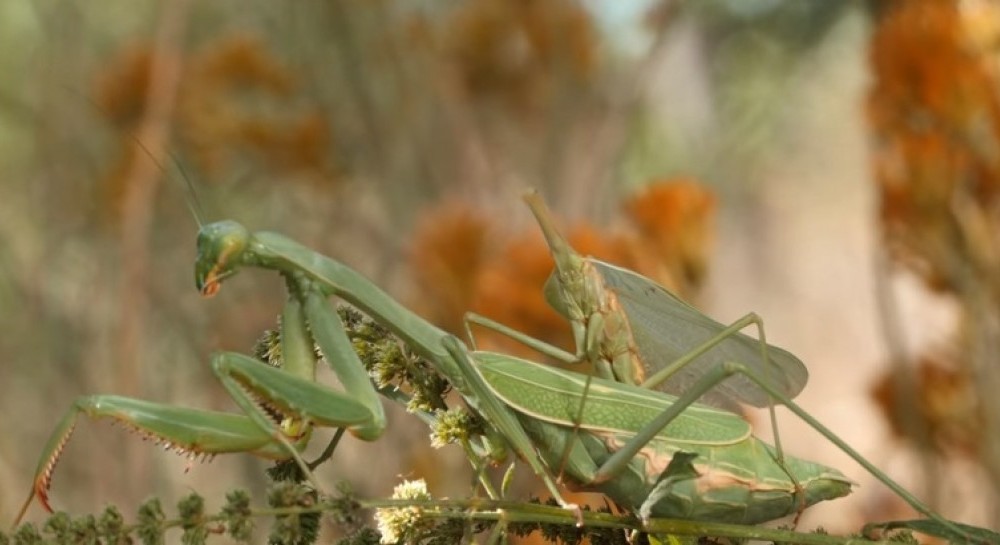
[220, 249]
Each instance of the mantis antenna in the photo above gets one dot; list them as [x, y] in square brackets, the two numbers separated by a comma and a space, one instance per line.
[190, 195]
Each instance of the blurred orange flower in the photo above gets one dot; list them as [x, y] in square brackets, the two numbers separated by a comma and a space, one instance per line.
[673, 220]
[935, 115]
[459, 267]
[934, 111]
[949, 417]
[446, 259]
[512, 51]
[220, 118]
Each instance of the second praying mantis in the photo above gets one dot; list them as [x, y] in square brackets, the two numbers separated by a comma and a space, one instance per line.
[650, 452]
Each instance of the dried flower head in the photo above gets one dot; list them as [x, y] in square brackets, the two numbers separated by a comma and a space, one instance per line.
[512, 52]
[225, 113]
[121, 88]
[935, 113]
[449, 245]
[673, 220]
[944, 407]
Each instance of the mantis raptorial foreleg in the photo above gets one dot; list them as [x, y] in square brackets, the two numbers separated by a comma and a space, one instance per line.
[279, 406]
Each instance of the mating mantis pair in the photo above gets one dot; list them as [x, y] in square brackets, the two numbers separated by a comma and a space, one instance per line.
[650, 452]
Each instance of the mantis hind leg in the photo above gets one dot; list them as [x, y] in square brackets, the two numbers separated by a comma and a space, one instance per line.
[729, 369]
[750, 319]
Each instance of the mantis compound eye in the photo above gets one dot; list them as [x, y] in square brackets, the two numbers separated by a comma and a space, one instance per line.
[220, 246]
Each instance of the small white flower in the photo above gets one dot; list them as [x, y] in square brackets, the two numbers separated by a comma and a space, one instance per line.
[396, 523]
[452, 427]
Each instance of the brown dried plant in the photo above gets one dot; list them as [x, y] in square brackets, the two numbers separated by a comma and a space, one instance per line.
[952, 419]
[935, 114]
[238, 102]
[514, 52]
[242, 102]
[673, 232]
[446, 257]
[120, 90]
[934, 111]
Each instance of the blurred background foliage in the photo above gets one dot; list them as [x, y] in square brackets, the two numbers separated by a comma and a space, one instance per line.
[831, 165]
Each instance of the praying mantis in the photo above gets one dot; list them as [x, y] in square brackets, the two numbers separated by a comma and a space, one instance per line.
[650, 452]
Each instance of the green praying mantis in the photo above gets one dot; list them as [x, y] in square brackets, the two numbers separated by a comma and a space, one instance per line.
[649, 451]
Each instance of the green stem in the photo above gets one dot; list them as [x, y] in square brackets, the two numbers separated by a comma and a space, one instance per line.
[488, 510]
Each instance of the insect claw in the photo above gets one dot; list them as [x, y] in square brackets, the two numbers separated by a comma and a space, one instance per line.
[42, 492]
[577, 513]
